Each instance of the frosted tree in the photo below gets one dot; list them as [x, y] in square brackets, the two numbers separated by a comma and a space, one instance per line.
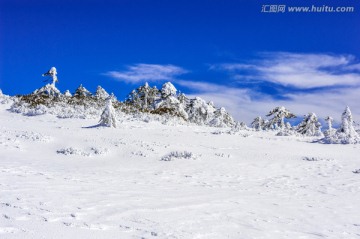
[222, 118]
[346, 134]
[52, 73]
[101, 93]
[144, 97]
[49, 89]
[144, 93]
[67, 93]
[108, 117]
[279, 114]
[198, 111]
[347, 130]
[258, 123]
[184, 101]
[82, 92]
[310, 126]
[169, 102]
[330, 130]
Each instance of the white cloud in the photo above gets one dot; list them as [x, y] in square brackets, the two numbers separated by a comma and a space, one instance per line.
[146, 72]
[303, 71]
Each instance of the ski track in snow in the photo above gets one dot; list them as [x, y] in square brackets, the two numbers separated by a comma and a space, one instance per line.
[59, 179]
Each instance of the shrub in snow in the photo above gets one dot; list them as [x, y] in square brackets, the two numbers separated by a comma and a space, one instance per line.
[258, 123]
[82, 92]
[310, 126]
[346, 134]
[278, 115]
[101, 93]
[177, 154]
[356, 171]
[87, 153]
[108, 117]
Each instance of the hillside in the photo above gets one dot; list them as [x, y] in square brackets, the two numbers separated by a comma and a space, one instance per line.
[65, 178]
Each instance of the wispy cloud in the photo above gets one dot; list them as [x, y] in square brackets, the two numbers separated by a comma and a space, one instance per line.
[302, 71]
[147, 72]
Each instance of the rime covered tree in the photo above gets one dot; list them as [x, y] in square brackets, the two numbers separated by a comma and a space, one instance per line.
[52, 73]
[184, 101]
[169, 103]
[67, 93]
[346, 134]
[278, 115]
[101, 93]
[330, 130]
[258, 123]
[81, 91]
[108, 117]
[310, 126]
[199, 111]
[49, 89]
[144, 97]
[222, 118]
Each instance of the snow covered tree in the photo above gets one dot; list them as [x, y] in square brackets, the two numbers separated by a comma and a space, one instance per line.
[346, 134]
[82, 92]
[330, 130]
[52, 73]
[169, 103]
[67, 93]
[101, 93]
[144, 97]
[279, 114]
[49, 90]
[198, 111]
[258, 123]
[184, 101]
[168, 90]
[108, 117]
[222, 119]
[310, 126]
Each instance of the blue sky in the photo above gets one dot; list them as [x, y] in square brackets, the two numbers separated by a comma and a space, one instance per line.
[225, 51]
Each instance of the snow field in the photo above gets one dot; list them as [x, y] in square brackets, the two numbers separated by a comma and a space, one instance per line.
[63, 178]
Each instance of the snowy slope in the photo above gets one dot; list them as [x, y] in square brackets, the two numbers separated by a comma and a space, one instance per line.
[62, 178]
